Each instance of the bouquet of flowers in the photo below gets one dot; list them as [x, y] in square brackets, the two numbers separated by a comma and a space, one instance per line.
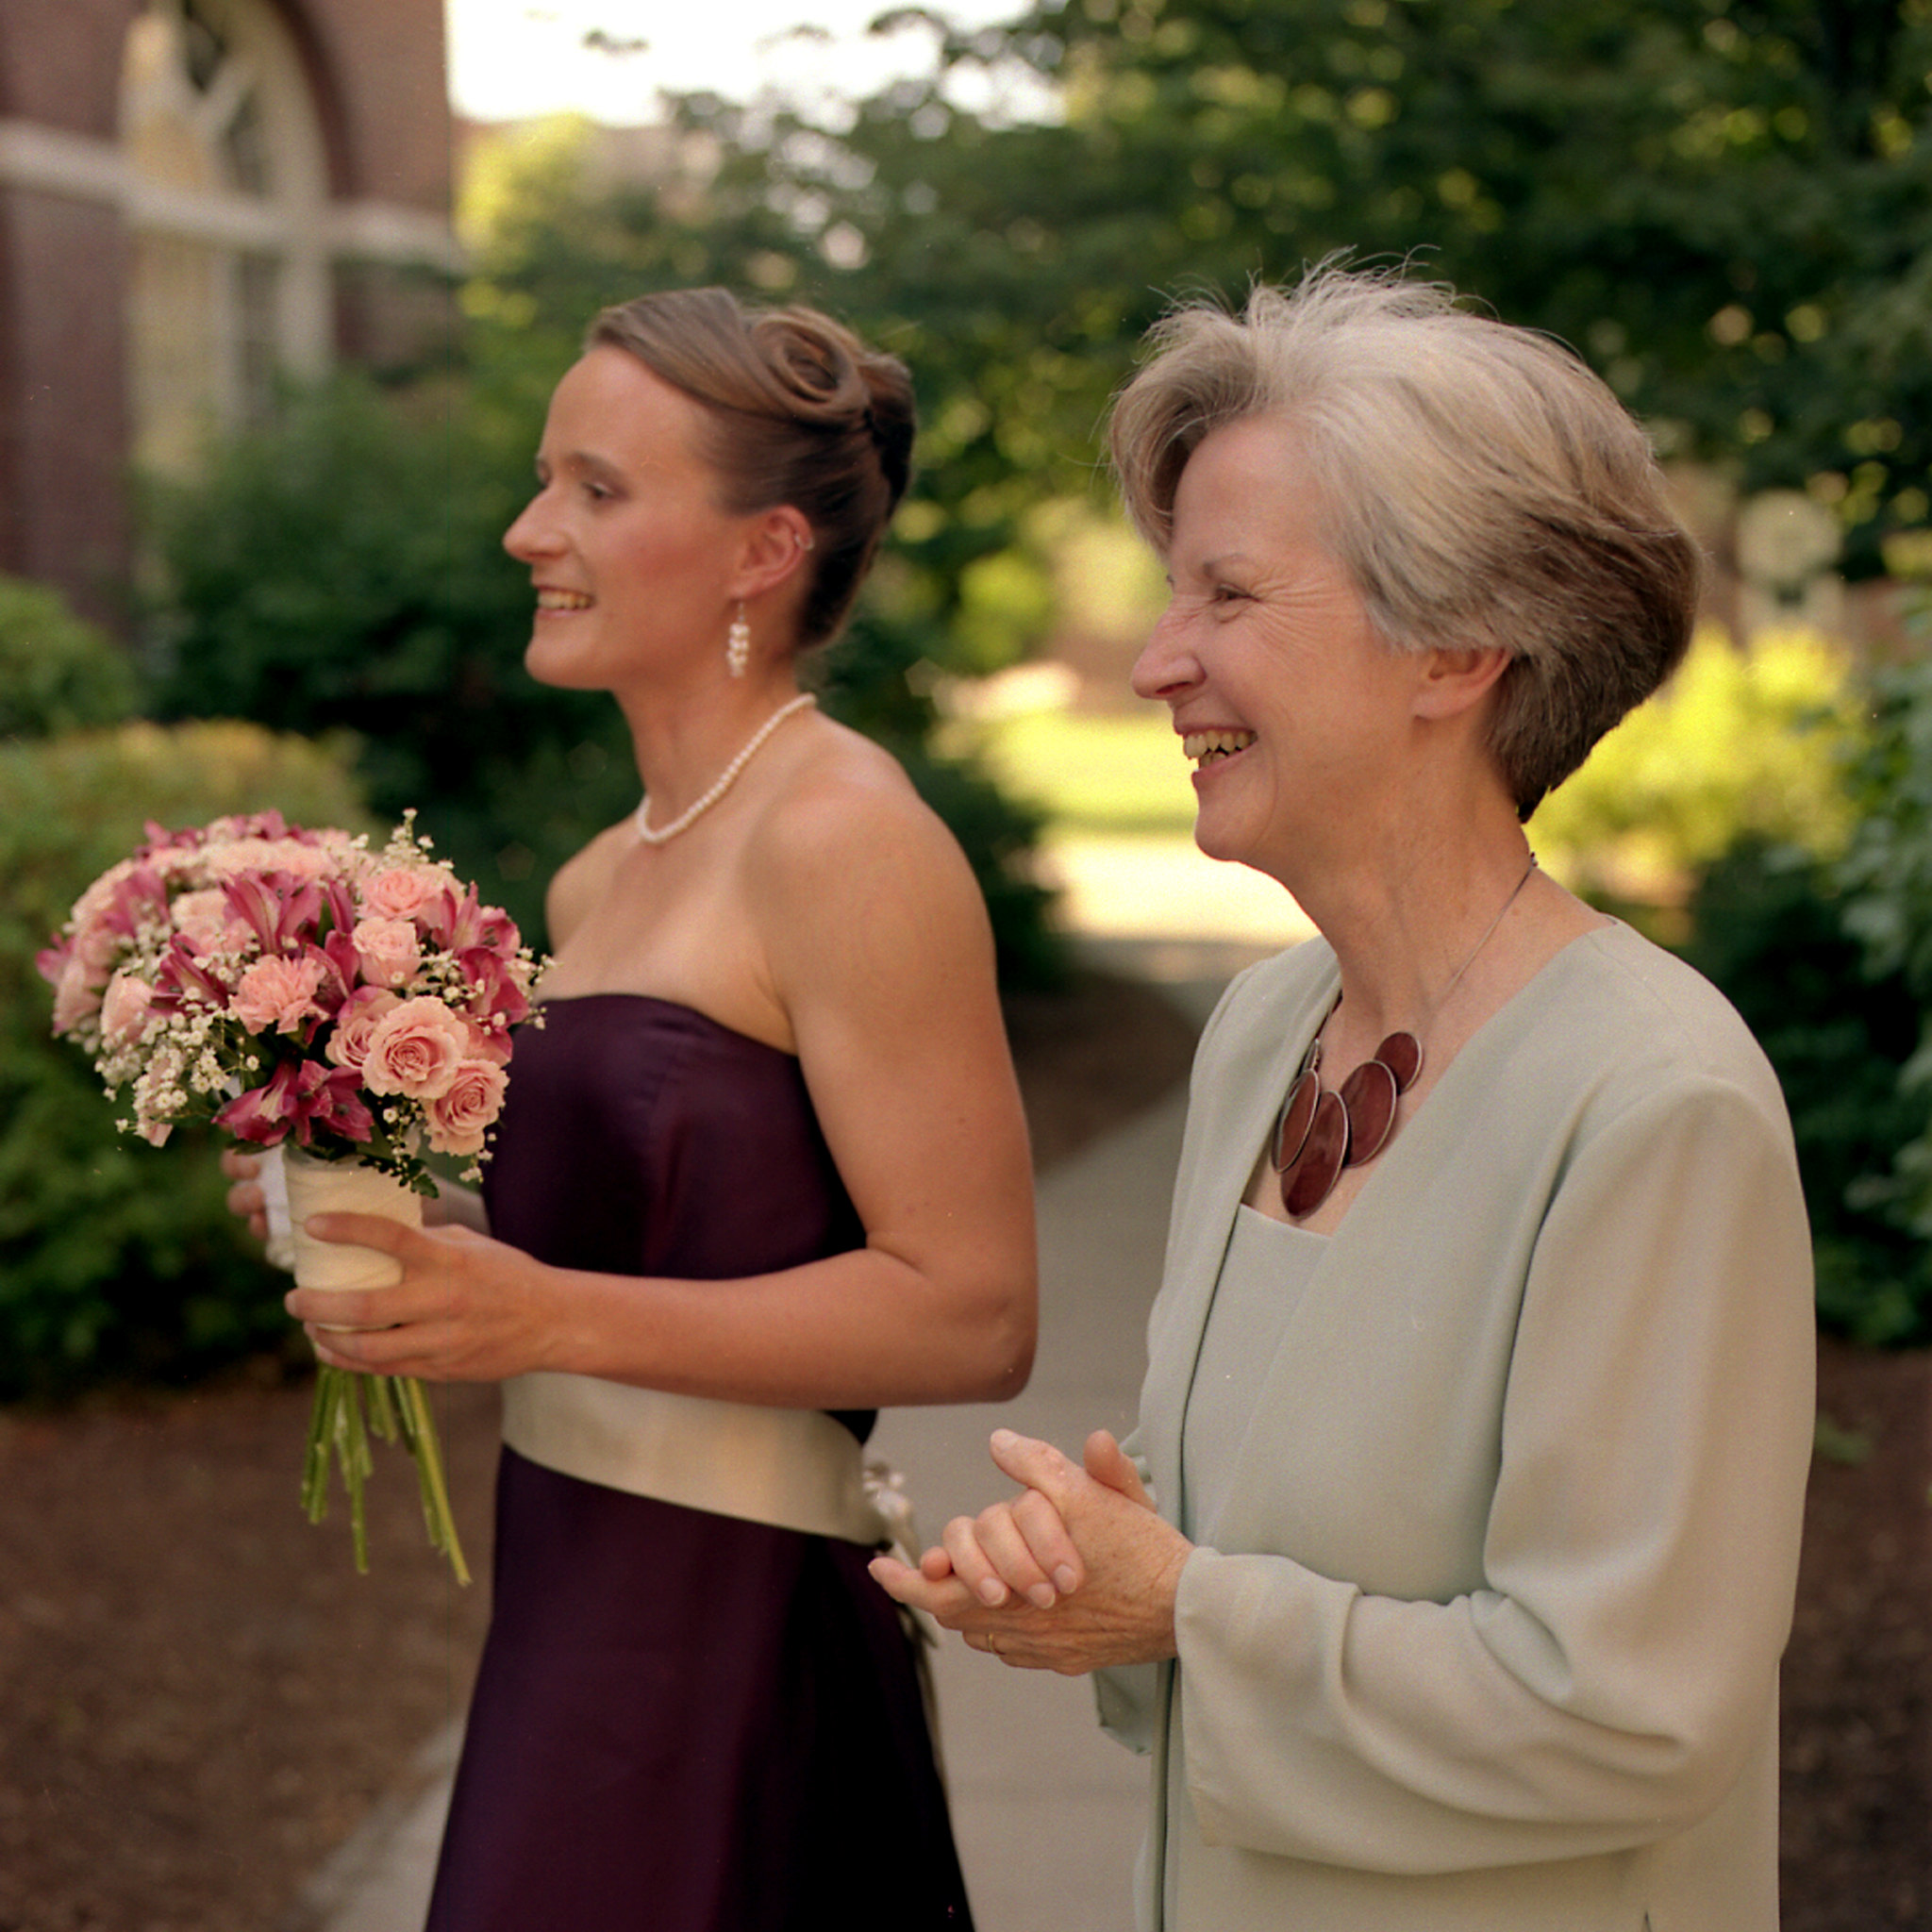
[346, 1009]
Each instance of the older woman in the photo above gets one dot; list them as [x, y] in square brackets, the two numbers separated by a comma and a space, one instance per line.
[763, 1168]
[1478, 1404]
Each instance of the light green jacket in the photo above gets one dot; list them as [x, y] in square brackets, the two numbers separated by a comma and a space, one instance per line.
[1489, 1637]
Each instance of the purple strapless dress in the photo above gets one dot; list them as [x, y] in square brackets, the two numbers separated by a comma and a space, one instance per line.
[682, 1722]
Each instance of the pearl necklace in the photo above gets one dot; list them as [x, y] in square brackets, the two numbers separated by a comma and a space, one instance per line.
[1319, 1132]
[726, 778]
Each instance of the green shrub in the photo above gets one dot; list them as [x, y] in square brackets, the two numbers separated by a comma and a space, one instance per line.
[56, 672]
[1740, 744]
[1767, 929]
[117, 1259]
[1886, 880]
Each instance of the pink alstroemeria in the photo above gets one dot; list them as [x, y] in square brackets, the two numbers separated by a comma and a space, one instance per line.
[297, 1098]
[457, 925]
[182, 980]
[51, 961]
[275, 905]
[497, 990]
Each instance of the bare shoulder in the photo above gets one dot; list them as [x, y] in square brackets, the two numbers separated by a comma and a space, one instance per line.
[582, 881]
[847, 804]
[852, 855]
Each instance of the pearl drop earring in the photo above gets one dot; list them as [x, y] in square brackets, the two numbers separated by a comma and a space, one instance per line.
[738, 646]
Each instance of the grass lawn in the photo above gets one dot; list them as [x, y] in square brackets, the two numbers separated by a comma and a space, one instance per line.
[1118, 775]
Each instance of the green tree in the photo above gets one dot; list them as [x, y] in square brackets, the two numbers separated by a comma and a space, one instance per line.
[1721, 203]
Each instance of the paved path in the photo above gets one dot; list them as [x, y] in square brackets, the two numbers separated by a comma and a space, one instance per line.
[1047, 1811]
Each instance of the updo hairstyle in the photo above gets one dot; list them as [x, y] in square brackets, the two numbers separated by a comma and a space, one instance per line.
[798, 411]
[1478, 483]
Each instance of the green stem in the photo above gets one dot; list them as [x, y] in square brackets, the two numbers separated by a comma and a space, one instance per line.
[419, 1425]
[397, 1405]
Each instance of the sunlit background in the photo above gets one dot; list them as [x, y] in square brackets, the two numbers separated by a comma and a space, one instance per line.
[510, 59]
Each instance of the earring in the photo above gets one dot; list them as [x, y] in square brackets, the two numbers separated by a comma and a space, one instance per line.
[738, 646]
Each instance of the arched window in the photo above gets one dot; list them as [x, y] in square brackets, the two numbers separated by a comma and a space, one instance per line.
[228, 203]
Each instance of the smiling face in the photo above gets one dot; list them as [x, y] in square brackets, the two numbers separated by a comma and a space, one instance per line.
[1297, 715]
[635, 566]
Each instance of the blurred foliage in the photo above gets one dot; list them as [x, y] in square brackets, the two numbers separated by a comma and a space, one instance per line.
[1720, 204]
[1742, 743]
[1885, 883]
[58, 672]
[1824, 945]
[1766, 929]
[117, 1259]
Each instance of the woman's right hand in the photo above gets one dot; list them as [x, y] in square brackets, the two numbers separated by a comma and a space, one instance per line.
[247, 1199]
[1022, 1547]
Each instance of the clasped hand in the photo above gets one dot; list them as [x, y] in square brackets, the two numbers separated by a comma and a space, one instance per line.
[467, 1309]
[1075, 1574]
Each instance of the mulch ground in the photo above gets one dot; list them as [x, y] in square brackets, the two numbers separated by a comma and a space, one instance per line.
[200, 1700]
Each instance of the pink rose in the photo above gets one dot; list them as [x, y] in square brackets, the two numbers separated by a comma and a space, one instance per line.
[415, 1049]
[457, 1117]
[279, 993]
[400, 892]
[348, 1045]
[124, 1011]
[389, 950]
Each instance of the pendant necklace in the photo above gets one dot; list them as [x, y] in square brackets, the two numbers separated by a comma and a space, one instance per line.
[692, 813]
[1319, 1132]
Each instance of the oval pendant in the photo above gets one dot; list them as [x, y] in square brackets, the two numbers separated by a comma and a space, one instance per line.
[1297, 1116]
[1401, 1054]
[1369, 1096]
[1308, 1181]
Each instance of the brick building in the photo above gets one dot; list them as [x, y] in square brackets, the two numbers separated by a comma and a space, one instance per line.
[196, 194]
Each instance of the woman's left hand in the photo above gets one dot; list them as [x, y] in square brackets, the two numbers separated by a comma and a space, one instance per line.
[467, 1310]
[1121, 1610]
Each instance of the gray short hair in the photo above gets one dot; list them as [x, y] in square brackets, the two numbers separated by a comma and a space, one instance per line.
[1479, 484]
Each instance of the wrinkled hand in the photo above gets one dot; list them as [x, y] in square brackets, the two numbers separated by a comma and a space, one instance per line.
[245, 1199]
[1075, 1573]
[467, 1310]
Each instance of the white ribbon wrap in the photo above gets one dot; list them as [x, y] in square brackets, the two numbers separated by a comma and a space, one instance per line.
[343, 1187]
[792, 1468]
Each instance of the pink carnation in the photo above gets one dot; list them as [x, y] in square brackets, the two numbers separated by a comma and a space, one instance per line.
[279, 993]
[389, 950]
[348, 1045]
[124, 1011]
[415, 1049]
[203, 915]
[457, 1117]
